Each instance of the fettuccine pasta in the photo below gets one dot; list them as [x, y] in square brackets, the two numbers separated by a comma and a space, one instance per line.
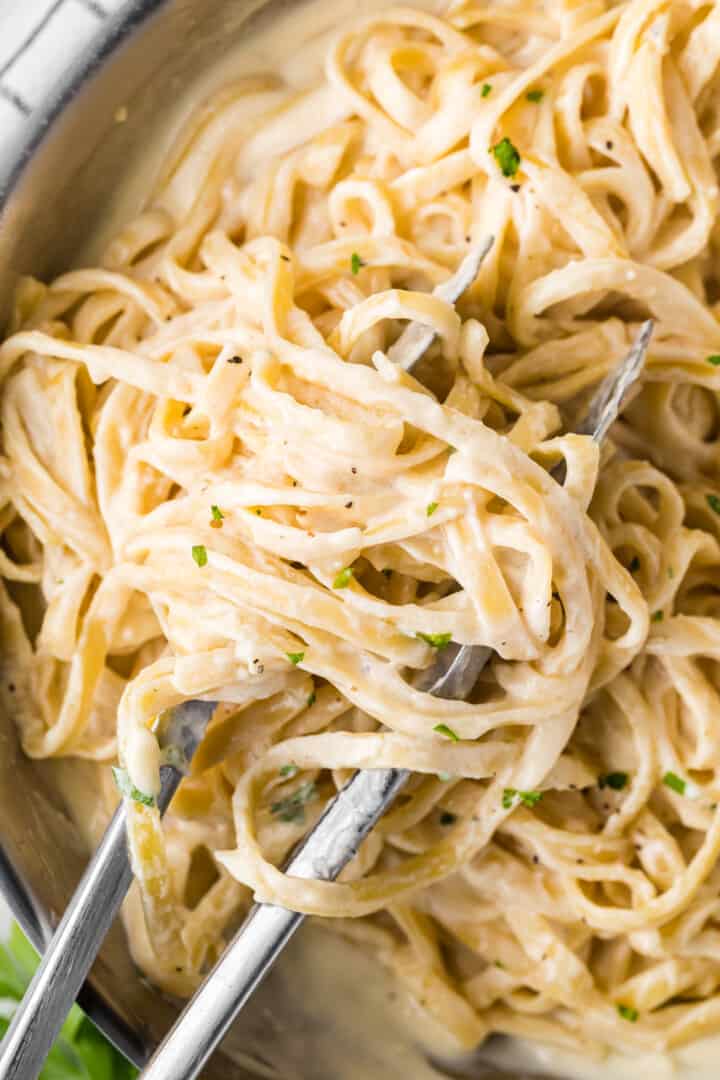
[215, 484]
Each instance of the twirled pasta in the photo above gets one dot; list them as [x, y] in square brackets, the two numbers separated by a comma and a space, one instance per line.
[215, 483]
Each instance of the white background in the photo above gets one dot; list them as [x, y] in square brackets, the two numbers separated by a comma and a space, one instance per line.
[38, 39]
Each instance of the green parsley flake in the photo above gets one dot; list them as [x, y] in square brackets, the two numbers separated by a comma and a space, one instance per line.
[714, 360]
[288, 771]
[312, 698]
[446, 818]
[486, 89]
[128, 789]
[628, 1013]
[506, 156]
[443, 729]
[674, 782]
[657, 616]
[217, 514]
[438, 641]
[535, 96]
[614, 780]
[343, 579]
[293, 807]
[713, 502]
[356, 263]
[527, 798]
[199, 554]
[431, 508]
[295, 657]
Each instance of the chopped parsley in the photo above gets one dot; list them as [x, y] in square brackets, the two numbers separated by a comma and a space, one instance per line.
[343, 579]
[431, 508]
[506, 156]
[199, 554]
[657, 616]
[356, 263]
[628, 1013]
[288, 771]
[217, 517]
[293, 807]
[443, 729]
[446, 818]
[527, 798]
[713, 502]
[438, 641]
[714, 360]
[128, 789]
[535, 96]
[674, 782]
[312, 698]
[295, 657]
[615, 780]
[486, 89]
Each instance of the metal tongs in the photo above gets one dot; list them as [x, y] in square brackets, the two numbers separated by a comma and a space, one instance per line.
[322, 855]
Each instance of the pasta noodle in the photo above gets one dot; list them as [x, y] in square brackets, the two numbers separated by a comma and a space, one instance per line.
[216, 484]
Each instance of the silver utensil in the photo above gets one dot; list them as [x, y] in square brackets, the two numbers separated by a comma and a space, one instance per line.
[338, 834]
[97, 899]
[88, 918]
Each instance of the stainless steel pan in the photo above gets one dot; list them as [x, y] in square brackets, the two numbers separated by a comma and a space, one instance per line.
[56, 195]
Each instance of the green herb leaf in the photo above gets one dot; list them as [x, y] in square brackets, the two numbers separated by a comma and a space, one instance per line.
[713, 502]
[80, 1052]
[657, 616]
[614, 780]
[295, 657]
[293, 807]
[443, 729]
[217, 514]
[312, 698]
[199, 554]
[674, 782]
[446, 818]
[356, 263]
[527, 798]
[628, 1013]
[486, 89]
[288, 771]
[438, 641]
[714, 360]
[506, 156]
[431, 508]
[128, 789]
[535, 96]
[343, 578]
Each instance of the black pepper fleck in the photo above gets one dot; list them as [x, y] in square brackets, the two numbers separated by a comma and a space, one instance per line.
[234, 359]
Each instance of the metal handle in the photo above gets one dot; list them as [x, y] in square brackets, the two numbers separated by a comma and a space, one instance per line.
[267, 929]
[75, 944]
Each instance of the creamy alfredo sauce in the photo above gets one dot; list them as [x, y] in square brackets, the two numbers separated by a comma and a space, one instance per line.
[330, 1003]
